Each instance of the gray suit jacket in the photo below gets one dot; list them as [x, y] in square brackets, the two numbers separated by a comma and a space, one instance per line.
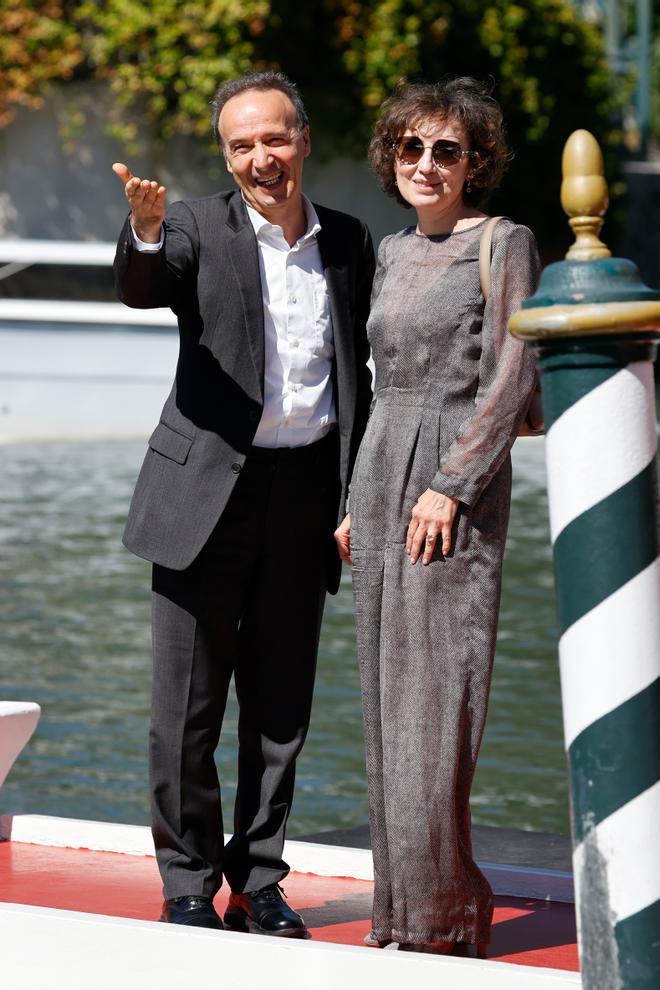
[208, 273]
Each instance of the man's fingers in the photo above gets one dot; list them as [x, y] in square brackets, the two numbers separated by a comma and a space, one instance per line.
[141, 193]
[149, 192]
[343, 540]
[122, 171]
[344, 547]
[137, 189]
[134, 191]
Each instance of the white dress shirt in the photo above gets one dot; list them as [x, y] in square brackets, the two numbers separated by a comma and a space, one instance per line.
[299, 405]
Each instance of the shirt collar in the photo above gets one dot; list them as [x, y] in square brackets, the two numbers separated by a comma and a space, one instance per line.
[262, 226]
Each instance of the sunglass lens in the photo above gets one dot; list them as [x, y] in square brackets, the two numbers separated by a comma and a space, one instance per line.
[446, 153]
[410, 151]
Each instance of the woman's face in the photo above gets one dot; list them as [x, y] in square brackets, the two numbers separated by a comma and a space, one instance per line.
[432, 188]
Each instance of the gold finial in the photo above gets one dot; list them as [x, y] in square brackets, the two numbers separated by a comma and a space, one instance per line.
[584, 195]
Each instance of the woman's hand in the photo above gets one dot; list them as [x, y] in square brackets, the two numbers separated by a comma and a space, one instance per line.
[343, 538]
[432, 516]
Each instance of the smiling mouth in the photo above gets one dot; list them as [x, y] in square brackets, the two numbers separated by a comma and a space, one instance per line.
[272, 180]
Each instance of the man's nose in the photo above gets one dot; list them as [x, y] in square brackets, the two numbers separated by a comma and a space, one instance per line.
[261, 155]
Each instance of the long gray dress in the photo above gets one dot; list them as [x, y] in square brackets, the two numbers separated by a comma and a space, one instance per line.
[452, 386]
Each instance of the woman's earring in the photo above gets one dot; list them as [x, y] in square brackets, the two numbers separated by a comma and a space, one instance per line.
[468, 187]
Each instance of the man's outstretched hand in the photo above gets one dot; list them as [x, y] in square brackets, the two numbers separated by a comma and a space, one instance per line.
[147, 202]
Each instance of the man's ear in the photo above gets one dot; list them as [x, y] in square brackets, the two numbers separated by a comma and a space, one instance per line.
[307, 144]
[224, 155]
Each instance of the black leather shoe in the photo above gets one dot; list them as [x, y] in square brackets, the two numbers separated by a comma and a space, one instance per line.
[191, 909]
[264, 912]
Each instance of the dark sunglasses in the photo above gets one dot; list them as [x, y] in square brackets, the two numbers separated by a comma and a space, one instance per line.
[444, 153]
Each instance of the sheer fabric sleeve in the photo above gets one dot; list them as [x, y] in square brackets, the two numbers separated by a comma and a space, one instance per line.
[506, 374]
[381, 268]
[379, 278]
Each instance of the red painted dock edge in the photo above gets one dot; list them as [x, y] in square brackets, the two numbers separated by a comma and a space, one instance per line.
[336, 909]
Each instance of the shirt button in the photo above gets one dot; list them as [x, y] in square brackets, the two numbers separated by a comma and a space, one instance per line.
[236, 468]
[295, 343]
[294, 299]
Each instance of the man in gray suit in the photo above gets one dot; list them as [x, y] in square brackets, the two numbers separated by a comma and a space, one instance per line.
[242, 486]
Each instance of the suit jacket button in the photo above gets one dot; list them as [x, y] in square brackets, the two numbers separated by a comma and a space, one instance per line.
[236, 468]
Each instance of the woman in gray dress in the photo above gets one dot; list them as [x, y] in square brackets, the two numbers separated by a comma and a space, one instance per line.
[430, 504]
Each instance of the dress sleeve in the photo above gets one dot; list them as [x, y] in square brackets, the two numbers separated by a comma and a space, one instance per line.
[507, 374]
[364, 281]
[381, 268]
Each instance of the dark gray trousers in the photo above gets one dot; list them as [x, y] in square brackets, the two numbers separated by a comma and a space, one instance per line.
[250, 604]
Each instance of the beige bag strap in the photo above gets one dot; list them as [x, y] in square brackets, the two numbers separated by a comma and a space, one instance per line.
[485, 250]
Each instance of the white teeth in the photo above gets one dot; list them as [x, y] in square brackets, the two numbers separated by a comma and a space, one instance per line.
[270, 182]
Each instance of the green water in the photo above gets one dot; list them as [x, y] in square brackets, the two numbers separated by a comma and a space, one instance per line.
[74, 637]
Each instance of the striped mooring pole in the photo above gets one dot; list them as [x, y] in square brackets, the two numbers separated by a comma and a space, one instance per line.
[594, 327]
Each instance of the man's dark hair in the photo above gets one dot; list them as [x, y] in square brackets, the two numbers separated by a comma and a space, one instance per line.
[262, 81]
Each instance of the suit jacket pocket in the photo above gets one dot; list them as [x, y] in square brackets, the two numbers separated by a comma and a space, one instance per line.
[170, 443]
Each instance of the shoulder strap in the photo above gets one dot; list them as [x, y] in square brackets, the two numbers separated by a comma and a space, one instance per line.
[485, 246]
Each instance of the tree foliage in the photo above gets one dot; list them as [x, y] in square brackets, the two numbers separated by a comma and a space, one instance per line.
[165, 58]
[162, 60]
[38, 44]
[655, 73]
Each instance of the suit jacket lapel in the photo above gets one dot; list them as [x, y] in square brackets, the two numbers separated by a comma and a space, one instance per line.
[245, 262]
[337, 281]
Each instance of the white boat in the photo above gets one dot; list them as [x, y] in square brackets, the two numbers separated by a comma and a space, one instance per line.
[79, 902]
[79, 369]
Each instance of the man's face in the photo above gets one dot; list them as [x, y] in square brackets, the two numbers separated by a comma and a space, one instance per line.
[265, 151]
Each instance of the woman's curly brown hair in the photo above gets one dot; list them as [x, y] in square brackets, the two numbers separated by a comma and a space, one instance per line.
[464, 100]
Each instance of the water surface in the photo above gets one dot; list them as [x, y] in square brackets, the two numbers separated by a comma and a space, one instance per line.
[74, 637]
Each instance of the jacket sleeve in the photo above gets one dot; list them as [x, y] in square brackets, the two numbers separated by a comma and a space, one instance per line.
[506, 374]
[161, 278]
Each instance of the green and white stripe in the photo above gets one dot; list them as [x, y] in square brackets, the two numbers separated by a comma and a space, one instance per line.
[601, 453]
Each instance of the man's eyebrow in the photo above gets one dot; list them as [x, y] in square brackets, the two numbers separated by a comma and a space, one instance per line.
[232, 142]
